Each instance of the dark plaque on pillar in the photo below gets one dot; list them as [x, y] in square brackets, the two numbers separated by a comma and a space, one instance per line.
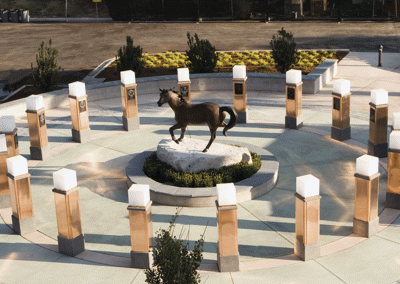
[16, 140]
[238, 89]
[336, 103]
[372, 114]
[42, 120]
[82, 106]
[131, 94]
[290, 93]
[185, 91]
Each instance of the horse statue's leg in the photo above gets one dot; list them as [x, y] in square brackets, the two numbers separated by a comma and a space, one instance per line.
[183, 129]
[171, 131]
[213, 135]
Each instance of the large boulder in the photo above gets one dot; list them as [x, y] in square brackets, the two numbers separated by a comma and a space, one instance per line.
[187, 156]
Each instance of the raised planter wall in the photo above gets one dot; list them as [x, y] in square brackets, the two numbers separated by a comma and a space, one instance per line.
[312, 83]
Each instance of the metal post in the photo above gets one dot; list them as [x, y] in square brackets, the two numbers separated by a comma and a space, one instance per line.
[66, 8]
[380, 56]
[97, 16]
[232, 8]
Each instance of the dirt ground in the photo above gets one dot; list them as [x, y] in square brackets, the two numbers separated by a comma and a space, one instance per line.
[86, 45]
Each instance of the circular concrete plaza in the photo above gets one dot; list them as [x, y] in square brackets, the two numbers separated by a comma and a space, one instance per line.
[266, 225]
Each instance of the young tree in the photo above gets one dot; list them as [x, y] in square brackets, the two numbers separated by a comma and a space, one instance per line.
[201, 54]
[284, 50]
[173, 262]
[130, 58]
[45, 76]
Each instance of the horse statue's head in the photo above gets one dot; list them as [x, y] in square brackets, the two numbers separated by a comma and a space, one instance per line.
[165, 96]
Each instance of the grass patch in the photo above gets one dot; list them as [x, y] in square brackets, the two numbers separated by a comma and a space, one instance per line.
[166, 174]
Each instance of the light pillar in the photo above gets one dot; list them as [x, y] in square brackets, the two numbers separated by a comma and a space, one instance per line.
[79, 112]
[23, 219]
[294, 93]
[340, 129]
[396, 121]
[66, 198]
[393, 179]
[228, 247]
[378, 122]
[4, 189]
[240, 92]
[366, 219]
[35, 113]
[130, 114]
[141, 226]
[7, 127]
[184, 84]
[307, 244]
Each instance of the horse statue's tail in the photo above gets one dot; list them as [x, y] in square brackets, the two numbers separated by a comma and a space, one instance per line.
[232, 114]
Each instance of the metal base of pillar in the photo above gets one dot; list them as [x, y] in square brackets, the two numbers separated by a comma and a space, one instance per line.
[378, 150]
[340, 134]
[365, 229]
[40, 153]
[25, 226]
[142, 260]
[5, 201]
[228, 263]
[307, 252]
[392, 200]
[293, 122]
[131, 123]
[71, 247]
[81, 136]
[242, 116]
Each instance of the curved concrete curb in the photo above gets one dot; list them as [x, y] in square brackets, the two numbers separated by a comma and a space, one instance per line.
[257, 185]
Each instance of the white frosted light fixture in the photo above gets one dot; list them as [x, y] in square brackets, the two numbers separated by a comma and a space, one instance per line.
[139, 195]
[64, 179]
[394, 140]
[396, 120]
[17, 166]
[226, 194]
[379, 97]
[7, 123]
[77, 89]
[307, 186]
[341, 87]
[183, 75]
[367, 165]
[239, 72]
[293, 76]
[128, 77]
[3, 143]
[34, 102]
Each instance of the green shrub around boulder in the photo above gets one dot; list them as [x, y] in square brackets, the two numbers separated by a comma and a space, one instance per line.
[164, 173]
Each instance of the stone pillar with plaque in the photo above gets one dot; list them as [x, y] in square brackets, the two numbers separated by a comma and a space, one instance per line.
[4, 189]
[79, 112]
[294, 94]
[341, 129]
[141, 226]
[393, 172]
[23, 219]
[240, 92]
[184, 84]
[378, 123]
[7, 127]
[130, 117]
[307, 229]
[35, 113]
[366, 219]
[66, 198]
[228, 243]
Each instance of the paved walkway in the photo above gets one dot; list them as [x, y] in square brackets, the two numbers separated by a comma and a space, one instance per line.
[266, 225]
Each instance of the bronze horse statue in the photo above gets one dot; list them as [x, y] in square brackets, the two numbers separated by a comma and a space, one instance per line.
[196, 114]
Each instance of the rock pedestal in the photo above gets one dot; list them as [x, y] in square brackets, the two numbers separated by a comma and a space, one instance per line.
[187, 156]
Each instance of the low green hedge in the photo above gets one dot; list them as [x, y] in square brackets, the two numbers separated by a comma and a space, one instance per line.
[166, 174]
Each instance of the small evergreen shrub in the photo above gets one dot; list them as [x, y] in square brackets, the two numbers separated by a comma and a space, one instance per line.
[164, 173]
[173, 261]
[201, 54]
[45, 77]
[284, 50]
[130, 58]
